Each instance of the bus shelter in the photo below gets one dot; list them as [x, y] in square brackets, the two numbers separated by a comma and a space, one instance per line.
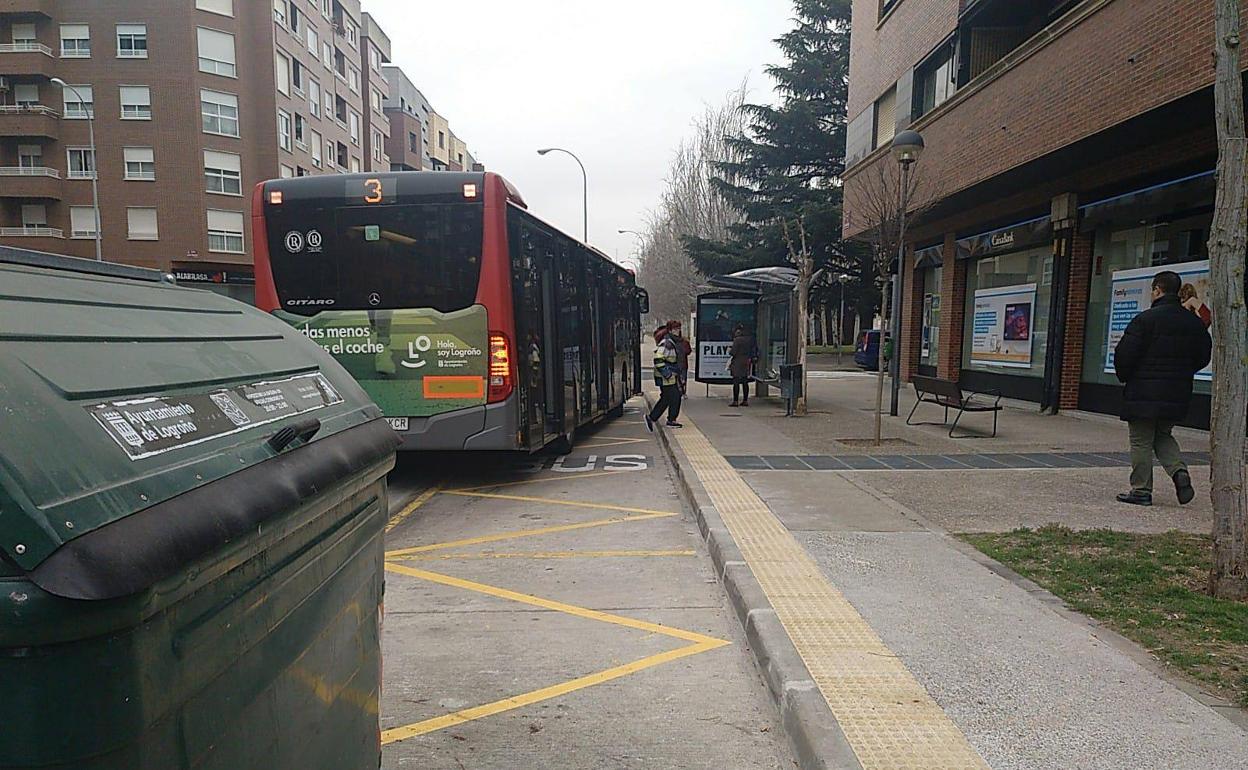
[762, 299]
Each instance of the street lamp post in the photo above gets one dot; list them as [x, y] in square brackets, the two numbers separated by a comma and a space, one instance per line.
[641, 239]
[907, 147]
[842, 279]
[95, 166]
[584, 184]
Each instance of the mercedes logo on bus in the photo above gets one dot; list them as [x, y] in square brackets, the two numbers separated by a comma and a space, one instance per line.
[374, 299]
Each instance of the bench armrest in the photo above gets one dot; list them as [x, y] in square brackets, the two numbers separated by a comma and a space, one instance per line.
[996, 394]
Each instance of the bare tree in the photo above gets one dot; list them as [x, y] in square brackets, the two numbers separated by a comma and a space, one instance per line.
[1228, 238]
[690, 205]
[876, 194]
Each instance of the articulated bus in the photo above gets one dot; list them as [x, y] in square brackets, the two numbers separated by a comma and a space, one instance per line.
[473, 324]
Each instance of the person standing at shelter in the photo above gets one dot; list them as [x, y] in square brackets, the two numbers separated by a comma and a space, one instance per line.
[1157, 358]
[683, 350]
[741, 357]
[667, 377]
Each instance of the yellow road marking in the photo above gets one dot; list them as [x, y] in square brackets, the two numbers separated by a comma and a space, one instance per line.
[411, 507]
[560, 477]
[573, 503]
[396, 734]
[888, 718]
[551, 604]
[525, 533]
[699, 643]
[544, 555]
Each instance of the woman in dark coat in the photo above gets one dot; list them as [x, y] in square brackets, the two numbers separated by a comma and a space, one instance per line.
[740, 361]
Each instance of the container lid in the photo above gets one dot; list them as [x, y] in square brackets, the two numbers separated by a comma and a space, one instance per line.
[119, 393]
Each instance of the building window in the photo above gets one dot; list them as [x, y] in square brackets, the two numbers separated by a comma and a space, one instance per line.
[29, 156]
[340, 110]
[223, 7]
[329, 103]
[355, 165]
[376, 100]
[81, 222]
[353, 80]
[136, 103]
[216, 52]
[26, 95]
[294, 21]
[223, 173]
[314, 144]
[286, 172]
[279, 12]
[283, 130]
[24, 35]
[301, 132]
[377, 145]
[934, 80]
[353, 34]
[441, 140]
[75, 41]
[885, 117]
[314, 98]
[327, 9]
[141, 223]
[327, 55]
[298, 77]
[81, 162]
[1007, 313]
[132, 41]
[342, 155]
[79, 102]
[281, 69]
[140, 163]
[36, 215]
[220, 112]
[225, 231]
[374, 59]
[413, 142]
[314, 41]
[355, 129]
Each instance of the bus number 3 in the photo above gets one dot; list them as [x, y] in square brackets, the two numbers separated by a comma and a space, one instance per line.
[374, 188]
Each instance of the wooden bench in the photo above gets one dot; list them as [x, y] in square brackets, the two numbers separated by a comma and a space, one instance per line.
[948, 394]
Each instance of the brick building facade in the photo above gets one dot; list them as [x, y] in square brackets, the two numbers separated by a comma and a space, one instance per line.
[1070, 148]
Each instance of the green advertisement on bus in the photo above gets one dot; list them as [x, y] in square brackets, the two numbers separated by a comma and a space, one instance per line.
[414, 363]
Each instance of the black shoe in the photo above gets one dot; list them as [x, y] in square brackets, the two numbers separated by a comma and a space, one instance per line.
[1136, 498]
[745, 403]
[734, 403]
[1183, 487]
[649, 423]
[674, 424]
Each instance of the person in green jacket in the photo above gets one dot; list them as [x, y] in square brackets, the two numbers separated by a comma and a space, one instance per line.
[667, 377]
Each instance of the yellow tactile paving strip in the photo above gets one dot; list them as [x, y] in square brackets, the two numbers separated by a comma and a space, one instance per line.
[888, 718]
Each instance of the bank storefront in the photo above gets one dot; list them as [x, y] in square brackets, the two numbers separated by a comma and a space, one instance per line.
[929, 274]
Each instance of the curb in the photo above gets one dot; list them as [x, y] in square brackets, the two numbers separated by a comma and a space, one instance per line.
[814, 735]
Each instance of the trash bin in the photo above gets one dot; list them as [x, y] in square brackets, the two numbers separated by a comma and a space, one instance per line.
[790, 381]
[192, 500]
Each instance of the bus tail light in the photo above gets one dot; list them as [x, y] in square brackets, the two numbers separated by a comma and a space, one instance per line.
[501, 382]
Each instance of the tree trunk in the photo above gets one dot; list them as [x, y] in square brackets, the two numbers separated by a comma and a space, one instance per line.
[803, 308]
[1228, 238]
[879, 359]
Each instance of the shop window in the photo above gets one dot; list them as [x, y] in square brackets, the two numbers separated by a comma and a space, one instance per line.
[929, 350]
[1177, 244]
[1007, 313]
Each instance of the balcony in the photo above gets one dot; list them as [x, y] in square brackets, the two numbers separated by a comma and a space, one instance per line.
[46, 8]
[32, 231]
[30, 182]
[35, 120]
[26, 59]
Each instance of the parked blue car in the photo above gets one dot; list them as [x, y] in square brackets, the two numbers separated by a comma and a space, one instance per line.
[867, 350]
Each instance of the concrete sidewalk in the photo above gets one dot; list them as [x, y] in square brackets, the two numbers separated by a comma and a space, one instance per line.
[1023, 681]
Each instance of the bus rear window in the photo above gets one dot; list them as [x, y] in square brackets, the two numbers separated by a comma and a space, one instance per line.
[376, 257]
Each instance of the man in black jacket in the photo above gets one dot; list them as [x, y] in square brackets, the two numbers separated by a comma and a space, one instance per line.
[1157, 357]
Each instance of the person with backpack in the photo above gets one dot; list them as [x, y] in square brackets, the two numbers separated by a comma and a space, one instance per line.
[667, 377]
[1159, 354]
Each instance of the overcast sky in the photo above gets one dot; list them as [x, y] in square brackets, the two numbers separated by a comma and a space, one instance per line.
[617, 83]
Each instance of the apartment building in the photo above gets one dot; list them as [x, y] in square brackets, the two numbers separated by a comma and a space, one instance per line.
[1070, 148]
[227, 92]
[375, 52]
[409, 112]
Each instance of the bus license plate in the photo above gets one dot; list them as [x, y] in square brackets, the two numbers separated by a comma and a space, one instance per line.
[397, 423]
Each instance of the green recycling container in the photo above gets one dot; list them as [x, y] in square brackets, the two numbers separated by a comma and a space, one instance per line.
[192, 501]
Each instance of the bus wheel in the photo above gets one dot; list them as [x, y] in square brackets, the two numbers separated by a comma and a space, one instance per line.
[563, 445]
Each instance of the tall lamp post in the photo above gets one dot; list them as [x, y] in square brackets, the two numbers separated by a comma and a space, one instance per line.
[640, 240]
[95, 165]
[842, 279]
[907, 147]
[584, 184]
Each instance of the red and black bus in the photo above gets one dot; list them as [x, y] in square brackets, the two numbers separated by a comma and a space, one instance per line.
[472, 323]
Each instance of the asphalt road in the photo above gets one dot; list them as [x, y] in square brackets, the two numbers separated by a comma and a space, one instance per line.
[561, 613]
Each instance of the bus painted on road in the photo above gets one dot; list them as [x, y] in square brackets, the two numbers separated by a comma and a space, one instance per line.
[473, 324]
